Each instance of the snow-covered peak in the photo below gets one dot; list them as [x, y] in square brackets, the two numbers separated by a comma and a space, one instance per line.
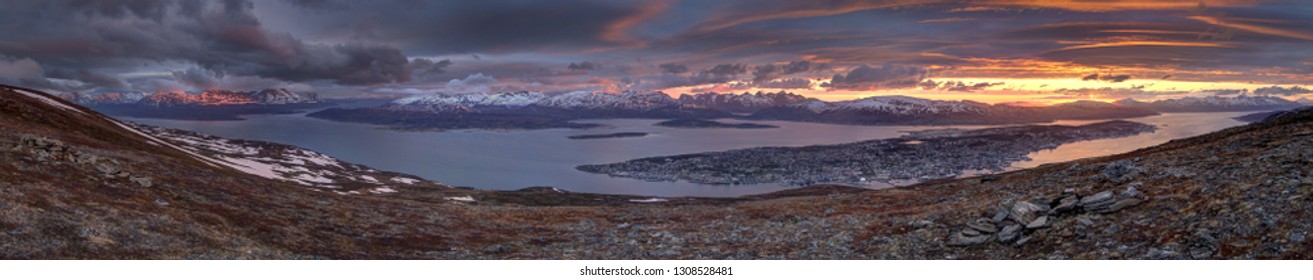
[1241, 100]
[896, 104]
[743, 102]
[601, 100]
[509, 99]
[283, 96]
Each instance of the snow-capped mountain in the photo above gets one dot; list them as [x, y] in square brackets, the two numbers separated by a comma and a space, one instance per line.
[211, 97]
[283, 96]
[1214, 104]
[519, 110]
[1305, 101]
[741, 103]
[629, 100]
[909, 110]
[507, 99]
[640, 101]
[897, 105]
[127, 97]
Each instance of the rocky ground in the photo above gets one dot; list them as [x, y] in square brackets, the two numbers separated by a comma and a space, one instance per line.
[1241, 193]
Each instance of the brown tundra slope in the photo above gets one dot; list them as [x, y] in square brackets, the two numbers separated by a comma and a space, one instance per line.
[76, 184]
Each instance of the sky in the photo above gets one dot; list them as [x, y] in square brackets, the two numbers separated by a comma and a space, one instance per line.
[1023, 51]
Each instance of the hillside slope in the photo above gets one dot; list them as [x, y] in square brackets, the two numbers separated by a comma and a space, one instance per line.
[1244, 192]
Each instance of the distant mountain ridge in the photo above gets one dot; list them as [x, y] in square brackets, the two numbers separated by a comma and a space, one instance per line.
[1214, 104]
[742, 103]
[888, 110]
[278, 96]
[538, 110]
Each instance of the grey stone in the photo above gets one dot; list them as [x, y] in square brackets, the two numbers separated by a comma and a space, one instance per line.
[1022, 241]
[958, 239]
[106, 168]
[1009, 233]
[921, 224]
[1023, 212]
[1084, 221]
[1096, 198]
[1066, 204]
[1133, 191]
[1041, 222]
[1000, 214]
[1123, 204]
[1160, 254]
[141, 181]
[983, 225]
[970, 232]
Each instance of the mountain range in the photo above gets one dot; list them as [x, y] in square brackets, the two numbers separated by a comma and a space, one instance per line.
[536, 110]
[1214, 104]
[75, 183]
[206, 105]
[276, 96]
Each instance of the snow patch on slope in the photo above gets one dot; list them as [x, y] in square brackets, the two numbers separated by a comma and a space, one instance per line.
[49, 101]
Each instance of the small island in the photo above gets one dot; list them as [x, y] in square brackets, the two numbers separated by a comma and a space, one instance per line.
[701, 123]
[610, 135]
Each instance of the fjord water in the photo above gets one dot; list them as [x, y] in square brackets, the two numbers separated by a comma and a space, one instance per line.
[514, 159]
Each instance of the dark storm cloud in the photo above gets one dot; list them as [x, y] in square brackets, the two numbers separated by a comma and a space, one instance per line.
[225, 37]
[719, 74]
[1286, 91]
[426, 66]
[956, 86]
[1230, 91]
[581, 66]
[1107, 78]
[97, 79]
[451, 27]
[195, 77]
[767, 72]
[673, 68]
[791, 83]
[886, 76]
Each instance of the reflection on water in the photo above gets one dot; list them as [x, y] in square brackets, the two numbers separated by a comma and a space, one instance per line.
[524, 158]
[1170, 126]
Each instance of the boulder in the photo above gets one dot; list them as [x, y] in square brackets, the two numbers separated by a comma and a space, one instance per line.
[1122, 204]
[1023, 212]
[1133, 191]
[1000, 214]
[1009, 233]
[1066, 204]
[958, 239]
[970, 232]
[1096, 198]
[983, 225]
[1041, 222]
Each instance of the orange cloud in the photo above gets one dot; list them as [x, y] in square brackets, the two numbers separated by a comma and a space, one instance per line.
[805, 10]
[617, 31]
[1229, 23]
[1120, 5]
[1145, 44]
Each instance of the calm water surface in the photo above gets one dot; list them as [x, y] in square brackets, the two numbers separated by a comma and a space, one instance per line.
[515, 159]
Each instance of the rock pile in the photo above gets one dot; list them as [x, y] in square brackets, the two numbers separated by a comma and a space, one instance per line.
[45, 150]
[1013, 224]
